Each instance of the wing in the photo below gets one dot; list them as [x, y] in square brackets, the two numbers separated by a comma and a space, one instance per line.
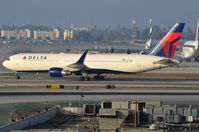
[79, 65]
[78, 68]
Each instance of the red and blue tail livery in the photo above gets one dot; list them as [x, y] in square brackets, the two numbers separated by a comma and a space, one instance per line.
[167, 46]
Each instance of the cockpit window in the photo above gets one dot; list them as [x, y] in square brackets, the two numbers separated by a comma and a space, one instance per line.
[8, 59]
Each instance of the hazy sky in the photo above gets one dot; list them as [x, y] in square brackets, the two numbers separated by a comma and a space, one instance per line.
[103, 13]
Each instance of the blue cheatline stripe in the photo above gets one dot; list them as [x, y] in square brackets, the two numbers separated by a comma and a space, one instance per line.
[107, 71]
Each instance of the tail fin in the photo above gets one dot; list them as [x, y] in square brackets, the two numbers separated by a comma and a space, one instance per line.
[196, 46]
[167, 46]
[148, 43]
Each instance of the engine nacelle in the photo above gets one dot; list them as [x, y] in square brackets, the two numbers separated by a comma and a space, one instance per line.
[128, 51]
[58, 72]
[111, 50]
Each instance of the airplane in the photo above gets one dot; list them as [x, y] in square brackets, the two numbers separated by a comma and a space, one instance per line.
[147, 44]
[190, 48]
[60, 65]
[128, 46]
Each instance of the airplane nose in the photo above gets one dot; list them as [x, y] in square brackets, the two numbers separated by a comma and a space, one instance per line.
[5, 64]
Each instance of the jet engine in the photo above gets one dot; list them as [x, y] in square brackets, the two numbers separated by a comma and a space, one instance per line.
[128, 51]
[111, 50]
[58, 72]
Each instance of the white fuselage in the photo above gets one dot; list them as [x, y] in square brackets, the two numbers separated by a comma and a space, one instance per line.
[132, 63]
[189, 49]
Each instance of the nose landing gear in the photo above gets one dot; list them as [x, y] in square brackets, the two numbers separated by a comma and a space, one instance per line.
[17, 75]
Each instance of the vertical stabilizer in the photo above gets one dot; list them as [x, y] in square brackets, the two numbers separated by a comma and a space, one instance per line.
[167, 46]
[196, 39]
[148, 43]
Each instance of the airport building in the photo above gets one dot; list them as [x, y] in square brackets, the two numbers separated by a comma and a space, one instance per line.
[18, 34]
[79, 29]
[111, 116]
[24, 34]
[53, 35]
[9, 34]
[68, 34]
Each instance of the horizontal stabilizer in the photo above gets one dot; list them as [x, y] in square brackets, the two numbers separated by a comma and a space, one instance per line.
[167, 61]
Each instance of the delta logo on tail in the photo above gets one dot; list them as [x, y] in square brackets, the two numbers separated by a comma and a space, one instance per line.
[167, 46]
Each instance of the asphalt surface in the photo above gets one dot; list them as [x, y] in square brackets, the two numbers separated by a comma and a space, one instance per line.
[144, 88]
[105, 97]
[120, 82]
[170, 84]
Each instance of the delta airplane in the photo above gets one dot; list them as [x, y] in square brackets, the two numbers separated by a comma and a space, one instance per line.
[60, 65]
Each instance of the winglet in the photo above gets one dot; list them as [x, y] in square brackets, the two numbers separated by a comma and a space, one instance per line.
[82, 58]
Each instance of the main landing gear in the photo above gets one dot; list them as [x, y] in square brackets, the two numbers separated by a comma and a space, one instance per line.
[98, 77]
[84, 78]
[17, 75]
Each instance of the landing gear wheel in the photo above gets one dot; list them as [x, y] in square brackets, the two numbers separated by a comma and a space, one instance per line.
[98, 77]
[81, 78]
[101, 77]
[87, 78]
[17, 75]
[84, 78]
